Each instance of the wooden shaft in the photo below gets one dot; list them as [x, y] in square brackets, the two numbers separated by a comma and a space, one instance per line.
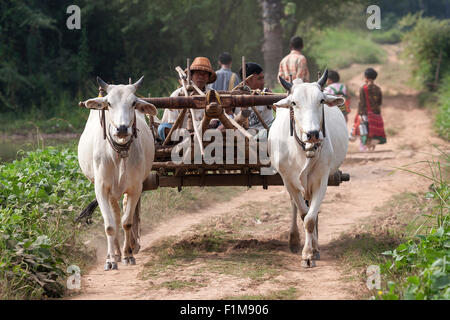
[242, 83]
[205, 122]
[260, 118]
[188, 63]
[181, 73]
[200, 92]
[239, 127]
[195, 124]
[197, 133]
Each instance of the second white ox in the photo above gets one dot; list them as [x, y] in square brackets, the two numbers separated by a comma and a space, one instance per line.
[117, 155]
[305, 149]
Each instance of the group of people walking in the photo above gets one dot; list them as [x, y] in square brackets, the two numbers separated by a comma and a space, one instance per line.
[368, 122]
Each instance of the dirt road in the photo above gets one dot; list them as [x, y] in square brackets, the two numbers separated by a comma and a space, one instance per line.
[239, 249]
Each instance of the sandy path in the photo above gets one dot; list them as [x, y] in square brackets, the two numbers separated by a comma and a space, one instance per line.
[344, 208]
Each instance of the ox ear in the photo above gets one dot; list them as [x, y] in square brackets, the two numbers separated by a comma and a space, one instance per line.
[145, 107]
[283, 103]
[96, 103]
[333, 100]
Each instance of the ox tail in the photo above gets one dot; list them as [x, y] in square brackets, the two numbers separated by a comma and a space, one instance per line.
[136, 228]
[86, 214]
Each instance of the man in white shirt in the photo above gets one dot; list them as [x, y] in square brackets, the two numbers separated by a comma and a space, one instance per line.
[202, 74]
[257, 82]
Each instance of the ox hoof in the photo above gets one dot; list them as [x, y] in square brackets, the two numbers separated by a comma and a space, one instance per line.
[110, 266]
[130, 260]
[317, 255]
[308, 263]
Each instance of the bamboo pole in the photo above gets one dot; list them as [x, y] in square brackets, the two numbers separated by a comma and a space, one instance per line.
[244, 71]
[191, 111]
[239, 127]
[188, 64]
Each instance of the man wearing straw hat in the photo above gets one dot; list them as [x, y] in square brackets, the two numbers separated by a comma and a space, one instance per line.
[202, 74]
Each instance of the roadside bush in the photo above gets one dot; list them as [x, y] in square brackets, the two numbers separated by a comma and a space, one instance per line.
[40, 196]
[340, 48]
[428, 40]
[391, 36]
[442, 123]
[419, 268]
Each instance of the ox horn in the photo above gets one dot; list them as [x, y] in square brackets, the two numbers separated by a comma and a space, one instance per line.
[285, 84]
[138, 83]
[323, 79]
[102, 83]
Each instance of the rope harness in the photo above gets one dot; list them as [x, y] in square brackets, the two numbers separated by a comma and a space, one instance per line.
[121, 149]
[309, 151]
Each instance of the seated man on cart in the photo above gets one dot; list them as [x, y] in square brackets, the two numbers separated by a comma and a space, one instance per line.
[202, 74]
[264, 119]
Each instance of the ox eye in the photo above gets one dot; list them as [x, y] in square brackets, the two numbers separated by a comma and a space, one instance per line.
[322, 101]
[134, 103]
[293, 103]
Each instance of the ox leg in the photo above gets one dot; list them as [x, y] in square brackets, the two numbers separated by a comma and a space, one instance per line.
[296, 202]
[316, 245]
[115, 207]
[311, 248]
[294, 234]
[127, 224]
[101, 194]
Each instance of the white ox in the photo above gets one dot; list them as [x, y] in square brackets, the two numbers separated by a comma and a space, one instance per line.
[305, 169]
[117, 174]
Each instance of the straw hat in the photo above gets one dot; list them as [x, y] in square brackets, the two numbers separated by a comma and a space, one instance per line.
[203, 64]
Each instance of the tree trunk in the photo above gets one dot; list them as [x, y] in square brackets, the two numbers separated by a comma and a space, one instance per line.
[272, 12]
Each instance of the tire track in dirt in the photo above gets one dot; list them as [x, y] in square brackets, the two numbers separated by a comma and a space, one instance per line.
[263, 219]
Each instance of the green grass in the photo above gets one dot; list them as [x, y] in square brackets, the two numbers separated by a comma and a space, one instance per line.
[391, 36]
[221, 252]
[180, 284]
[340, 48]
[164, 203]
[418, 268]
[40, 195]
[60, 115]
[409, 239]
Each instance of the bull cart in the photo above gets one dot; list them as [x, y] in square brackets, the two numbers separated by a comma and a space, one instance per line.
[233, 156]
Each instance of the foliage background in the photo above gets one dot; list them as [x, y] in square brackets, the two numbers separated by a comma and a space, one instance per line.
[45, 69]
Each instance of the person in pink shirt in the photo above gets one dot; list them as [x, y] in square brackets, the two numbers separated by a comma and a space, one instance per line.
[337, 88]
[294, 63]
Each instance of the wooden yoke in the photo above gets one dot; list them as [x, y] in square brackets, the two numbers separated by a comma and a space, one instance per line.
[226, 100]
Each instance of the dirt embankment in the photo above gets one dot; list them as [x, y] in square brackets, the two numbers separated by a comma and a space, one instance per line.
[239, 249]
